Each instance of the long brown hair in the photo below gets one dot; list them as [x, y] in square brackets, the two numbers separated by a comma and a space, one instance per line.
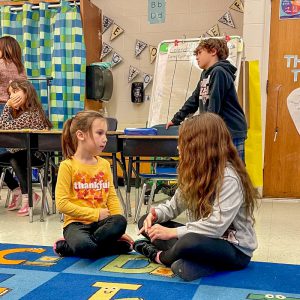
[32, 100]
[205, 147]
[82, 121]
[11, 52]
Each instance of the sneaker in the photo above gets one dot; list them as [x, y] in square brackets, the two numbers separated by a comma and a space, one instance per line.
[35, 199]
[61, 248]
[24, 211]
[189, 270]
[124, 245]
[146, 248]
[15, 202]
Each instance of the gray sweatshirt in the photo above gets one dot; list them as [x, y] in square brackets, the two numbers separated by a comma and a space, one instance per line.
[227, 221]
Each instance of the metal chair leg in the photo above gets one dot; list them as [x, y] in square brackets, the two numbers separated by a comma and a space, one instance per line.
[139, 204]
[151, 197]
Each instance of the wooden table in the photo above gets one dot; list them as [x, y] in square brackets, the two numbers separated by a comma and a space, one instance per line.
[152, 146]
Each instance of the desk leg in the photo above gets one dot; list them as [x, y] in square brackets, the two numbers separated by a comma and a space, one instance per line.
[137, 183]
[115, 176]
[128, 186]
[45, 186]
[29, 178]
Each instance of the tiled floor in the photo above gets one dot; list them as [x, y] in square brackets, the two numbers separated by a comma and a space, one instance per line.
[277, 227]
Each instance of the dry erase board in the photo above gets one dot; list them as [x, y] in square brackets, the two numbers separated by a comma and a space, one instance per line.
[177, 74]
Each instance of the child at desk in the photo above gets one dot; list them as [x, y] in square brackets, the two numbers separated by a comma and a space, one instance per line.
[215, 92]
[11, 67]
[25, 114]
[85, 193]
[214, 187]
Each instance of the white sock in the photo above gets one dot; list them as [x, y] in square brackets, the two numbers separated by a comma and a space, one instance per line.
[24, 199]
[16, 192]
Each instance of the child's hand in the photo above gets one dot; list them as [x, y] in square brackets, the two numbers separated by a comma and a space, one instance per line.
[169, 124]
[152, 217]
[15, 101]
[104, 213]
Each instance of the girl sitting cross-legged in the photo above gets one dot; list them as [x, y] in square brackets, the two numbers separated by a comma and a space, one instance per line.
[85, 193]
[215, 189]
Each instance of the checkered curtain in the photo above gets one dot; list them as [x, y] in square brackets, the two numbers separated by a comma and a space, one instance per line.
[53, 45]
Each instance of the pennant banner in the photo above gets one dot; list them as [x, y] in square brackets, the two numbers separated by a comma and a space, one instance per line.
[116, 31]
[116, 58]
[139, 47]
[133, 72]
[106, 23]
[238, 6]
[147, 79]
[227, 19]
[152, 52]
[214, 31]
[106, 49]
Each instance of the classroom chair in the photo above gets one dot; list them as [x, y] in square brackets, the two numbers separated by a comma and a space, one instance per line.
[165, 173]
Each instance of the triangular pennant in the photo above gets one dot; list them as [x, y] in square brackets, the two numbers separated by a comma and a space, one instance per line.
[116, 58]
[106, 49]
[238, 6]
[152, 52]
[133, 72]
[106, 23]
[227, 19]
[139, 47]
[116, 31]
[147, 79]
[214, 31]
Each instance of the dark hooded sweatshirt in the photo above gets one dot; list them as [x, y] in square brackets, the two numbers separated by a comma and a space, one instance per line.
[216, 93]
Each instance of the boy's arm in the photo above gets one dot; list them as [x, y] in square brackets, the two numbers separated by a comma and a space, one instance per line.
[217, 92]
[190, 106]
[62, 196]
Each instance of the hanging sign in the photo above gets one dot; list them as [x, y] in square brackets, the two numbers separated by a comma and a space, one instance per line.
[107, 22]
[139, 47]
[289, 9]
[156, 11]
[238, 6]
[116, 59]
[133, 72]
[152, 52]
[227, 19]
[106, 49]
[147, 79]
[214, 31]
[116, 31]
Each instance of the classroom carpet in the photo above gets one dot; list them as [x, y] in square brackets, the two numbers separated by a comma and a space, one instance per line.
[34, 272]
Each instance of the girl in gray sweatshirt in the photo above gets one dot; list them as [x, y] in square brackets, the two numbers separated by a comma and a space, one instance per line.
[216, 191]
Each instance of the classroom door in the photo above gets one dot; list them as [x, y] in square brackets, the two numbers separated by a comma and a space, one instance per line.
[282, 144]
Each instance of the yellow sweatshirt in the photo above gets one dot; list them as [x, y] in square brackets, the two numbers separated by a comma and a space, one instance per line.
[82, 190]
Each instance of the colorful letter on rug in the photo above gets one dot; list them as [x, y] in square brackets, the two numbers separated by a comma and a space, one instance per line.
[34, 272]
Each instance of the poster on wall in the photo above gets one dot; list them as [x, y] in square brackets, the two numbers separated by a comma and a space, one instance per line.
[289, 9]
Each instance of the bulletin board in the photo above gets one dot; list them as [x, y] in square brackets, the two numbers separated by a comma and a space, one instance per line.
[177, 74]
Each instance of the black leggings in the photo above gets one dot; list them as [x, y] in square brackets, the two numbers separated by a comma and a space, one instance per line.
[18, 161]
[210, 252]
[96, 239]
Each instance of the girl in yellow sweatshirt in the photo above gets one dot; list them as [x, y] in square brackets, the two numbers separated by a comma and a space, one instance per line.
[85, 194]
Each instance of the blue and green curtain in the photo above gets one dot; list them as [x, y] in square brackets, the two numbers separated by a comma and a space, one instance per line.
[52, 42]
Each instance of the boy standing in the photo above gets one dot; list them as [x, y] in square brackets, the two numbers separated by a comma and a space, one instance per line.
[216, 92]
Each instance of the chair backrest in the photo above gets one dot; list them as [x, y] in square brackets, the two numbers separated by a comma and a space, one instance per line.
[112, 124]
[161, 129]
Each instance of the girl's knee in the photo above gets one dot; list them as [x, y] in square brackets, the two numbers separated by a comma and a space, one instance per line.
[119, 224]
[141, 221]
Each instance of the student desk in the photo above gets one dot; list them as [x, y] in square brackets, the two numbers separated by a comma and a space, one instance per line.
[48, 141]
[136, 146]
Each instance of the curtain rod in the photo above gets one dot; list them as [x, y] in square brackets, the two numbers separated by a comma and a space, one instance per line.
[49, 6]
